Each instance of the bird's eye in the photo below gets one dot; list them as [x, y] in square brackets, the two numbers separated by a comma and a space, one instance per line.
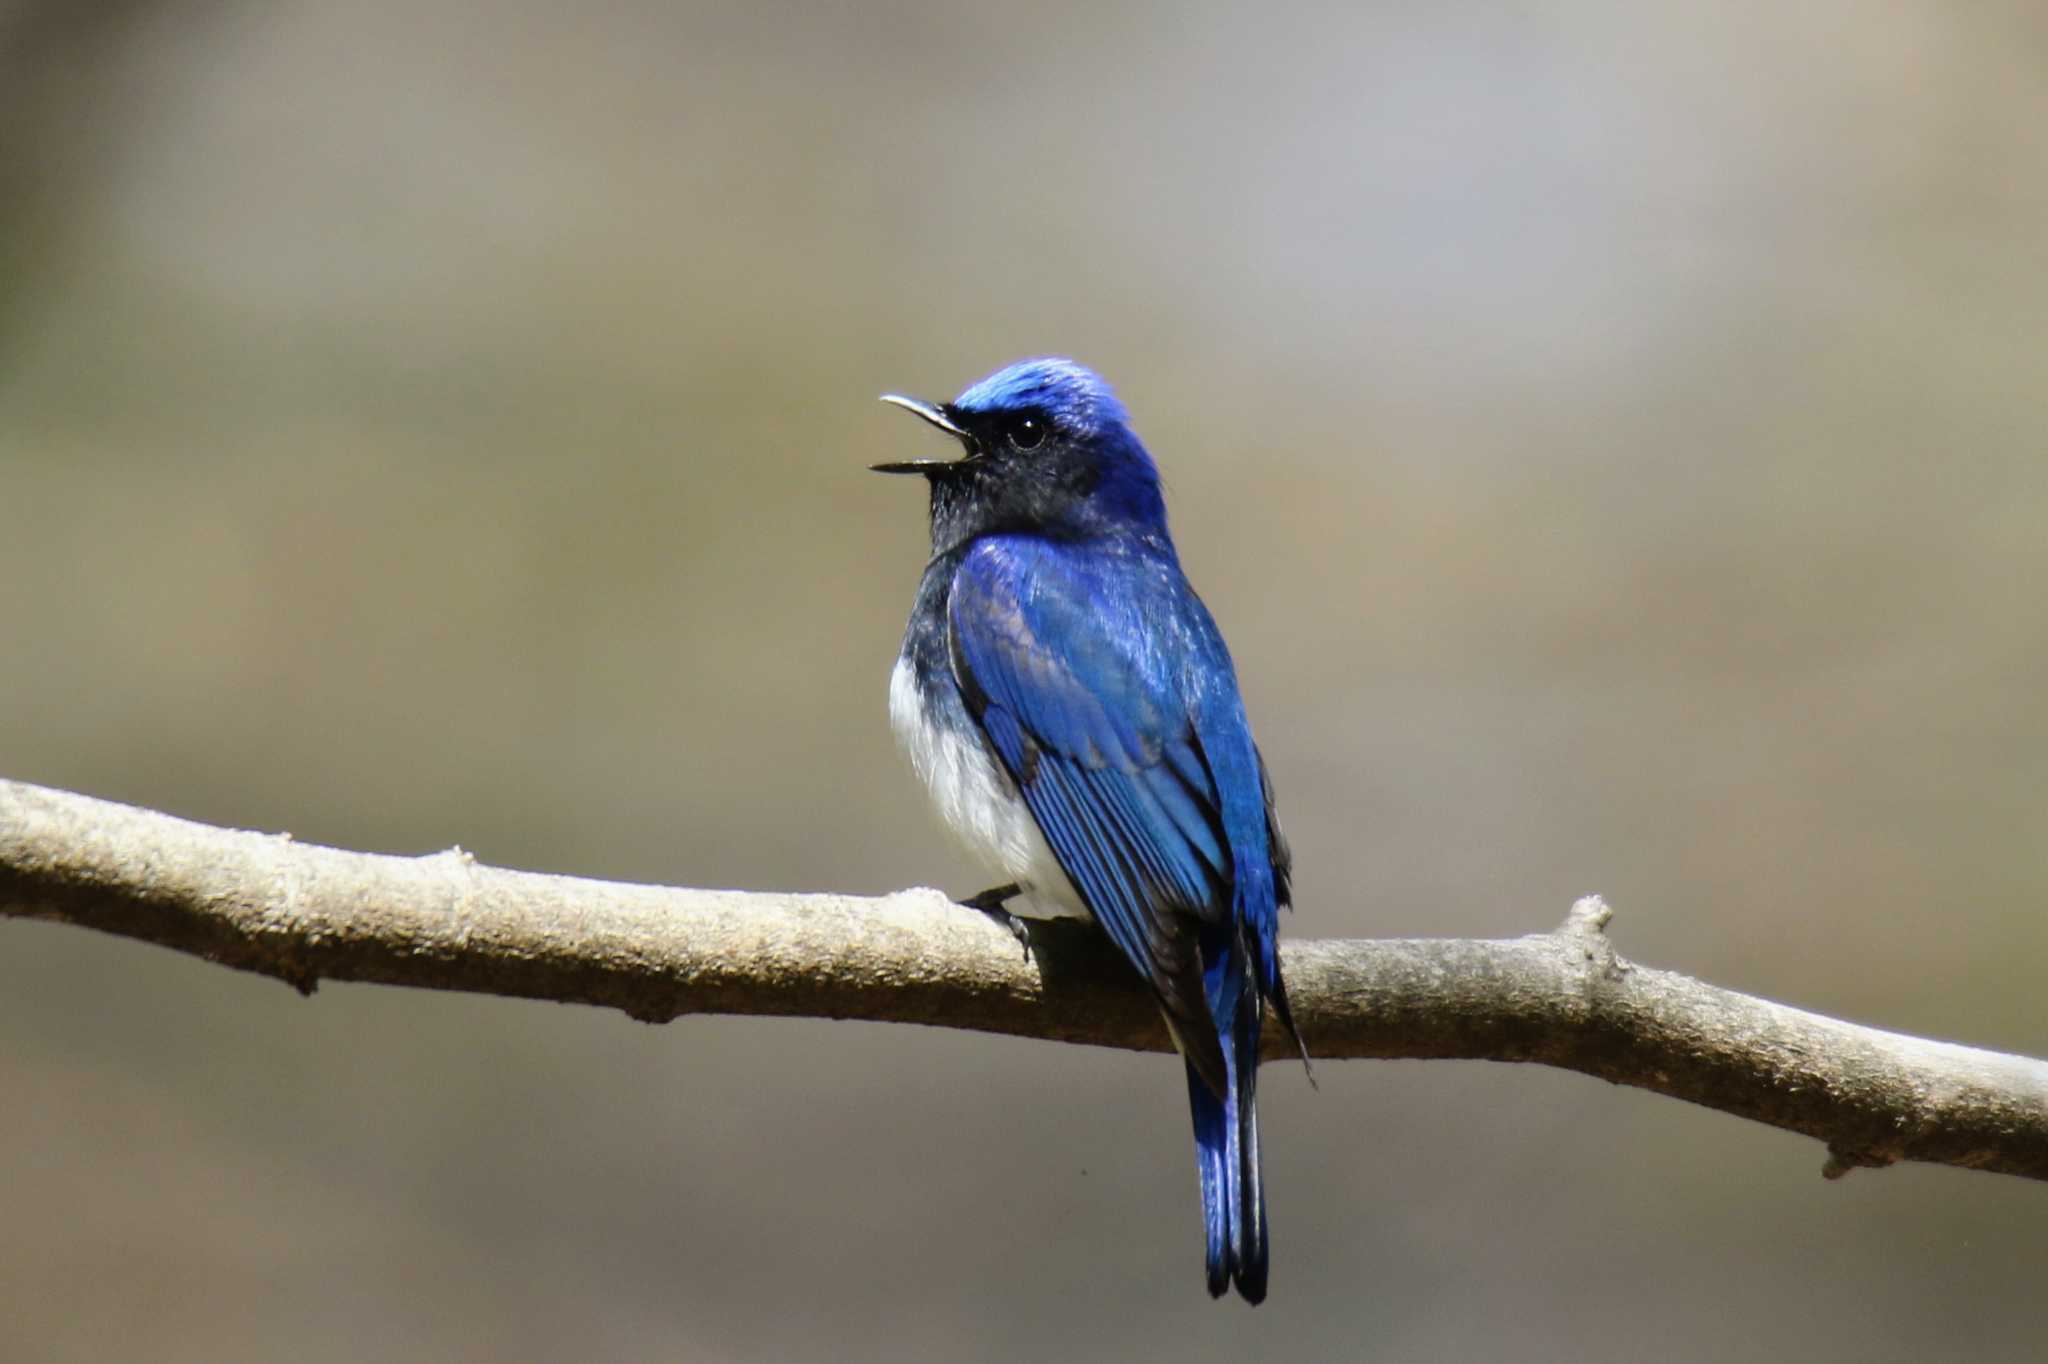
[1027, 433]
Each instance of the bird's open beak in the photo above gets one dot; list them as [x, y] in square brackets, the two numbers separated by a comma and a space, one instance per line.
[932, 413]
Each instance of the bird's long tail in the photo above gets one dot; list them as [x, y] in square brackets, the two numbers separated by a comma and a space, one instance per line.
[1227, 1131]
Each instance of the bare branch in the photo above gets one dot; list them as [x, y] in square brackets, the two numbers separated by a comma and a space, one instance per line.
[302, 913]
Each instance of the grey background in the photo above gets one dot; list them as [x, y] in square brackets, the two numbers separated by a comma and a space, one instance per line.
[1610, 436]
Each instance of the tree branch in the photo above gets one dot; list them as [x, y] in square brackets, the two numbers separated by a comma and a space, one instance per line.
[302, 913]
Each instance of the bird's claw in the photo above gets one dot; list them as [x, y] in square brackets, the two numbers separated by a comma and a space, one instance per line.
[991, 901]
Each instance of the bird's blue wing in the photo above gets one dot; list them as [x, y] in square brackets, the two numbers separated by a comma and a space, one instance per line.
[1099, 681]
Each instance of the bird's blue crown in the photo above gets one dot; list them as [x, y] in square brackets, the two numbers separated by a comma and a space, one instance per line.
[1077, 399]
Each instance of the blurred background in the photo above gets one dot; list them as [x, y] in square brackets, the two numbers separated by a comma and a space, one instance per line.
[1612, 438]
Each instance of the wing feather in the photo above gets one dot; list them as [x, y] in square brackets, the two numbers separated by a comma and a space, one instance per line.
[1081, 694]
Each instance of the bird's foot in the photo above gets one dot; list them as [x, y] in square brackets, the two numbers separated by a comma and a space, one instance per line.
[990, 902]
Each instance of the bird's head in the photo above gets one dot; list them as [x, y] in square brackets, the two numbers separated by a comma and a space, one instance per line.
[1045, 448]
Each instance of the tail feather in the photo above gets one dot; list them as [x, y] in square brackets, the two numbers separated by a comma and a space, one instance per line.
[1227, 1136]
[1213, 1166]
[1250, 1193]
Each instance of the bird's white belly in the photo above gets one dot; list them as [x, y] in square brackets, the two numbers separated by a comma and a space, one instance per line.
[978, 801]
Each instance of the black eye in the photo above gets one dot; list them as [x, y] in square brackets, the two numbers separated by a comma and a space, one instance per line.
[1027, 433]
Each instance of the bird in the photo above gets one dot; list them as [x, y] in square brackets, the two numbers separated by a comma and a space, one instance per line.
[1070, 704]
